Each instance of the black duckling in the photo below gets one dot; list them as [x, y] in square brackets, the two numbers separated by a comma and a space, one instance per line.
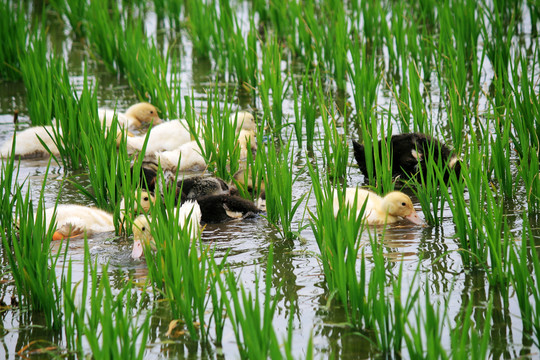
[410, 152]
[196, 186]
[224, 207]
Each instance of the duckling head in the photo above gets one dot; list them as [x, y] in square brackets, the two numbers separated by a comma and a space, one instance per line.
[141, 235]
[244, 121]
[399, 204]
[143, 113]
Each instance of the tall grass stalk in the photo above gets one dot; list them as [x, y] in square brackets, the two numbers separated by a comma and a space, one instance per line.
[338, 239]
[425, 329]
[251, 316]
[271, 86]
[76, 13]
[427, 190]
[31, 262]
[9, 175]
[38, 72]
[181, 267]
[108, 322]
[280, 177]
[15, 24]
[305, 111]
[335, 145]
[364, 78]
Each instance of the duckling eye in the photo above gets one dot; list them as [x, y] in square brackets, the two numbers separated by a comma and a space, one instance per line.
[143, 228]
[151, 111]
[145, 198]
[403, 204]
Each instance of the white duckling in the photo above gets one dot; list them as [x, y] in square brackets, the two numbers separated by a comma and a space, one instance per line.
[189, 155]
[74, 220]
[166, 136]
[189, 215]
[27, 144]
[394, 207]
[135, 116]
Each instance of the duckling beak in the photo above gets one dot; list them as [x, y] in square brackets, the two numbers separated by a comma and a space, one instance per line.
[156, 121]
[415, 219]
[137, 251]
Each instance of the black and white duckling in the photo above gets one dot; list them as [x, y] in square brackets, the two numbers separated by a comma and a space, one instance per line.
[224, 207]
[74, 220]
[189, 215]
[395, 206]
[410, 153]
[195, 187]
[28, 144]
[135, 117]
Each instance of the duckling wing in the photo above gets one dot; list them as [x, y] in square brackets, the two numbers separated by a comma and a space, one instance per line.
[224, 207]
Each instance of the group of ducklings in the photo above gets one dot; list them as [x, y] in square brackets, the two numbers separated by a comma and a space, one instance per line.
[209, 199]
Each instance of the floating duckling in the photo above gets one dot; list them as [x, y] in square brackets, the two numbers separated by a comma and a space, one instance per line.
[395, 206]
[410, 153]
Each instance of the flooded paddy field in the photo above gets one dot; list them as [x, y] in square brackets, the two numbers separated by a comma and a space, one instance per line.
[316, 76]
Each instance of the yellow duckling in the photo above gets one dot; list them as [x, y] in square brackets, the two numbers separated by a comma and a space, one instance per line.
[394, 207]
[135, 116]
[190, 215]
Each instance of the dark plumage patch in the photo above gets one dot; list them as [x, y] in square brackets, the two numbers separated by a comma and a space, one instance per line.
[410, 154]
[218, 208]
[197, 186]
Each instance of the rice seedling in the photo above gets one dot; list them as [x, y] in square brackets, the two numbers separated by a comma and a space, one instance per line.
[202, 35]
[378, 159]
[388, 313]
[31, 263]
[481, 226]
[425, 330]
[427, 189]
[182, 268]
[335, 145]
[9, 175]
[251, 316]
[280, 177]
[338, 241]
[523, 279]
[305, 111]
[526, 135]
[148, 71]
[38, 73]
[217, 136]
[113, 332]
[14, 23]
[271, 82]
[74, 114]
[108, 322]
[76, 13]
[103, 24]
[337, 42]
[364, 78]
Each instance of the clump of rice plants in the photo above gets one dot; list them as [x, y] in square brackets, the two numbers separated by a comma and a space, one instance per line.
[32, 264]
[279, 177]
[38, 75]
[12, 21]
[181, 267]
[108, 322]
[251, 316]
